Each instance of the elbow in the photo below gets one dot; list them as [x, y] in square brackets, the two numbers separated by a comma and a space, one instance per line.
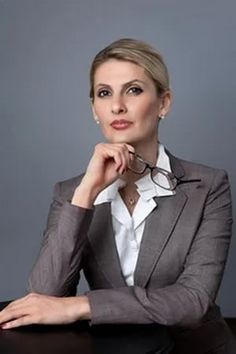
[183, 308]
[193, 311]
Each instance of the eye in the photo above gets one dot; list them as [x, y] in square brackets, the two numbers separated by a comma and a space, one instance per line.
[103, 93]
[135, 90]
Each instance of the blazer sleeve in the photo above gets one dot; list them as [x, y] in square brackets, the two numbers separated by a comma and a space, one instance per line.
[185, 302]
[56, 271]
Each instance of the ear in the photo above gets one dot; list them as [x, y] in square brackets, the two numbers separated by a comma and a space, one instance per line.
[93, 111]
[166, 99]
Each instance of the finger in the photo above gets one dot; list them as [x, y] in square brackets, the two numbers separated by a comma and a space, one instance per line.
[9, 306]
[22, 300]
[14, 306]
[130, 148]
[115, 154]
[119, 162]
[14, 303]
[108, 151]
[125, 151]
[128, 158]
[12, 314]
[121, 151]
[17, 309]
[6, 315]
[129, 155]
[22, 321]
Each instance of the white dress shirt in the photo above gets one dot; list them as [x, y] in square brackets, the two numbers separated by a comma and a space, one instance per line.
[128, 229]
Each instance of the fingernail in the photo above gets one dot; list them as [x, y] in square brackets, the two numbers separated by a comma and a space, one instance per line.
[5, 325]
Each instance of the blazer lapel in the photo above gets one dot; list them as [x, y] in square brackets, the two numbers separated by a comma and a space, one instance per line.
[158, 228]
[101, 238]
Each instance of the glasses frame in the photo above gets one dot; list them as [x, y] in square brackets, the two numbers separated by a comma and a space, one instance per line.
[173, 181]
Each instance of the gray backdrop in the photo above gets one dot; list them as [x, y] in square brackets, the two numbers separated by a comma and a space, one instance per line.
[47, 132]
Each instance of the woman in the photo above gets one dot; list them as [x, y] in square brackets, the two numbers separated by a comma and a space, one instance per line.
[152, 241]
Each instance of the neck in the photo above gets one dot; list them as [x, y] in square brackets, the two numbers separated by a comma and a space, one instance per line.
[148, 151]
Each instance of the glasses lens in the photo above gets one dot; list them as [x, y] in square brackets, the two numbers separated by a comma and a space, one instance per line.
[137, 165]
[164, 179]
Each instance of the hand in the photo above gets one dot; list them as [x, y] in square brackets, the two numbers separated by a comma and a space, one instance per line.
[109, 161]
[43, 309]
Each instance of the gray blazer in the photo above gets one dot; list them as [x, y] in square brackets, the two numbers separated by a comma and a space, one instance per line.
[180, 264]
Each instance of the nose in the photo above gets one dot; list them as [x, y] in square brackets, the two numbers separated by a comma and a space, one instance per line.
[118, 105]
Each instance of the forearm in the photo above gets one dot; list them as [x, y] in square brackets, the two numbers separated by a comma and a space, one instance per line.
[86, 193]
[56, 271]
[173, 305]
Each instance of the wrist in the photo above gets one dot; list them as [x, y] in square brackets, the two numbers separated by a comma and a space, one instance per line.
[85, 310]
[77, 308]
[84, 195]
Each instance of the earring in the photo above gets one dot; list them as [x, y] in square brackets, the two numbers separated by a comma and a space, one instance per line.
[97, 120]
[162, 116]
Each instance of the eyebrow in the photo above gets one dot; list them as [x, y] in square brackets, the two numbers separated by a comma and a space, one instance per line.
[124, 85]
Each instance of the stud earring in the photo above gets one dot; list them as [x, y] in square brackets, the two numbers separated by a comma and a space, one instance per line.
[162, 116]
[97, 120]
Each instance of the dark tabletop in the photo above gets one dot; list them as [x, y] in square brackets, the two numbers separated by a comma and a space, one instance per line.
[81, 338]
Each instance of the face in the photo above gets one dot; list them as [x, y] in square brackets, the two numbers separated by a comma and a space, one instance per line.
[126, 103]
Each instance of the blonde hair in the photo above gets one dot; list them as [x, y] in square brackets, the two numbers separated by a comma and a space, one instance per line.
[137, 52]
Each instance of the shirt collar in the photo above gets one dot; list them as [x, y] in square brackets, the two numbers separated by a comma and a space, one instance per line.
[145, 187]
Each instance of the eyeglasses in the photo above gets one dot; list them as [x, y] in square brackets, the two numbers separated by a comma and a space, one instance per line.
[159, 176]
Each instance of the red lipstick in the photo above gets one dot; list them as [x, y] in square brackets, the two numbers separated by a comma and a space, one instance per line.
[121, 124]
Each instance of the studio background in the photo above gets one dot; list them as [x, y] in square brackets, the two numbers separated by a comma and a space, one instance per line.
[47, 132]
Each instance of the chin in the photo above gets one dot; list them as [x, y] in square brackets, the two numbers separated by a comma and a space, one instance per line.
[120, 138]
[129, 137]
[126, 140]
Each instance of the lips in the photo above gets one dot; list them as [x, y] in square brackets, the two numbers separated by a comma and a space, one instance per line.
[121, 124]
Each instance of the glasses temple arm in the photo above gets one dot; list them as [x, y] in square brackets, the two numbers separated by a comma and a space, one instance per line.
[182, 181]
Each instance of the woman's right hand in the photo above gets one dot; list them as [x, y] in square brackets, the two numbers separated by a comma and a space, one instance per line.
[108, 163]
